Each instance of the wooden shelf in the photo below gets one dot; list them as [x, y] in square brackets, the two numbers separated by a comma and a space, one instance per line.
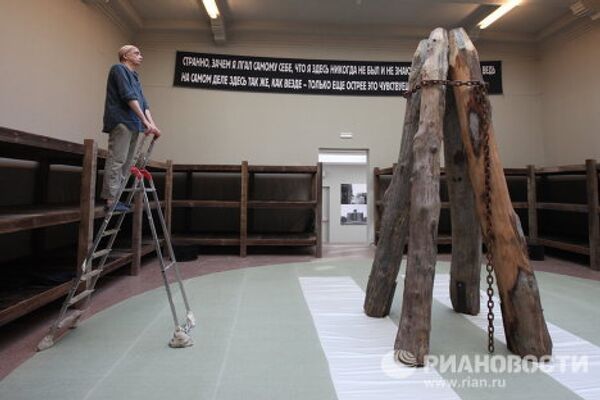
[206, 168]
[561, 244]
[249, 175]
[560, 170]
[583, 208]
[281, 204]
[281, 239]
[28, 146]
[207, 239]
[589, 174]
[282, 169]
[206, 203]
[18, 218]
[26, 300]
[47, 151]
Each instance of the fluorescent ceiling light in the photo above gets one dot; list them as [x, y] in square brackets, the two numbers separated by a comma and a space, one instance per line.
[211, 8]
[342, 158]
[499, 13]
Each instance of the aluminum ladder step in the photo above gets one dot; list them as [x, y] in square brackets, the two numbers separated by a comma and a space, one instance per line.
[70, 319]
[81, 296]
[101, 253]
[91, 274]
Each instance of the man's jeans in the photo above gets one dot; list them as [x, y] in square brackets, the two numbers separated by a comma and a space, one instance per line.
[121, 149]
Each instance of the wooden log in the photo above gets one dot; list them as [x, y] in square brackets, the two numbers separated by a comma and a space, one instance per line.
[394, 221]
[524, 323]
[415, 319]
[593, 222]
[465, 267]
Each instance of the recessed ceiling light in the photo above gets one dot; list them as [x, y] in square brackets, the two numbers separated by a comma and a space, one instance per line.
[499, 13]
[211, 8]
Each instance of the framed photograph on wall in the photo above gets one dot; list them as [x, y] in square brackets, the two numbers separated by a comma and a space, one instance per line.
[353, 204]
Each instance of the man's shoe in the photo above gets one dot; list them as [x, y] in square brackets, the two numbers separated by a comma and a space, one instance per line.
[119, 207]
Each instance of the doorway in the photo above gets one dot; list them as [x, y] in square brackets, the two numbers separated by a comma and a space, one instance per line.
[344, 193]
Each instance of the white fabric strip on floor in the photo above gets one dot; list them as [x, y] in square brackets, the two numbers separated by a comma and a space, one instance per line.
[568, 348]
[358, 348]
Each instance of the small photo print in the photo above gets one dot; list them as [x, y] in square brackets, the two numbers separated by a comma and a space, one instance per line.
[354, 204]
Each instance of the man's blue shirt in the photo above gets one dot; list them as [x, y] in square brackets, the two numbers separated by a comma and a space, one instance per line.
[123, 85]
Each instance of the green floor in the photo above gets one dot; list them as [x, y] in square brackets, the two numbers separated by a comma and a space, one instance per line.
[255, 339]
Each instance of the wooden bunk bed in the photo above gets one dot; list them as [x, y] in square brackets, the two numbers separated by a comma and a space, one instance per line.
[240, 198]
[548, 200]
[44, 274]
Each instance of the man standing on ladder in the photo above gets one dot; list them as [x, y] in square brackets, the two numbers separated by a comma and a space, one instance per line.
[126, 114]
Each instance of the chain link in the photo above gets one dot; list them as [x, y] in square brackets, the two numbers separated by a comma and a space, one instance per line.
[483, 111]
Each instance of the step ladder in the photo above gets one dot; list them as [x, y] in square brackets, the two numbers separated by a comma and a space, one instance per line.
[84, 283]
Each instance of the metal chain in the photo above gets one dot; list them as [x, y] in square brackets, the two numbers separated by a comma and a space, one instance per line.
[441, 82]
[483, 112]
[484, 118]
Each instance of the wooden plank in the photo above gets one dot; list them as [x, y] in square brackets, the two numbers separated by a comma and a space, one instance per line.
[304, 169]
[117, 263]
[283, 239]
[206, 203]
[385, 171]
[582, 208]
[562, 169]
[524, 323]
[33, 302]
[169, 195]
[415, 318]
[393, 230]
[14, 219]
[161, 165]
[465, 267]
[593, 222]
[206, 168]
[88, 200]
[208, 239]
[281, 204]
[443, 239]
[244, 210]
[319, 210]
[557, 244]
[14, 136]
[532, 204]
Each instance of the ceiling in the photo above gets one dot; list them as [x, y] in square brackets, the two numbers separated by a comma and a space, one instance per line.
[532, 21]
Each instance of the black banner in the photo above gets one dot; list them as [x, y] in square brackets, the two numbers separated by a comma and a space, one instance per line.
[290, 75]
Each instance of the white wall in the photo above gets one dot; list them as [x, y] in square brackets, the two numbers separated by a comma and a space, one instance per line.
[334, 176]
[208, 126]
[55, 58]
[56, 55]
[571, 98]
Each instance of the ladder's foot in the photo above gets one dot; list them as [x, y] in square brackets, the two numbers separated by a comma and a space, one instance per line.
[45, 343]
[190, 321]
[180, 339]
